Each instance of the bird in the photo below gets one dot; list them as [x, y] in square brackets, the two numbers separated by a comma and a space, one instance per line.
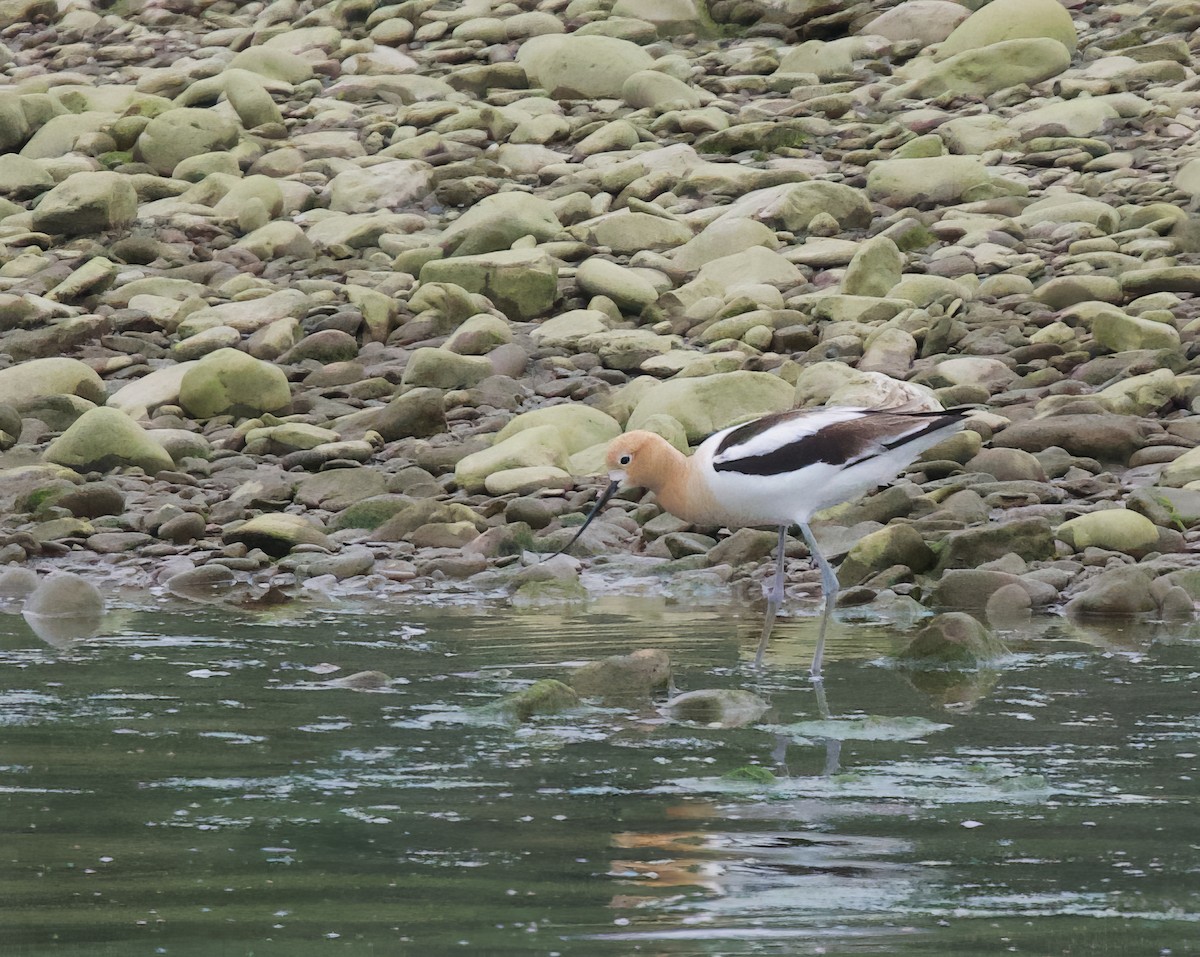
[778, 470]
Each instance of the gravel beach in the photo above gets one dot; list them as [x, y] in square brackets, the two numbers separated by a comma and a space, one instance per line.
[348, 298]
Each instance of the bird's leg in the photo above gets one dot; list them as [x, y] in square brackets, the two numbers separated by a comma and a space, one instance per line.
[774, 598]
[829, 589]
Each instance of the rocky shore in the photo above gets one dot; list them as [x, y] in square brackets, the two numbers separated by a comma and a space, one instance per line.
[349, 297]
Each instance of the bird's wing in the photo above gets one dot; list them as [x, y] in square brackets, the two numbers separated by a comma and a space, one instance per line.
[789, 441]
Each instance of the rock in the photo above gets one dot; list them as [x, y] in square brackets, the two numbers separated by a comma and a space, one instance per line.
[1029, 538]
[630, 291]
[929, 180]
[1120, 592]
[1115, 529]
[579, 426]
[362, 681]
[1109, 438]
[1009, 607]
[92, 500]
[64, 595]
[953, 640]
[717, 707]
[923, 21]
[440, 369]
[206, 583]
[17, 583]
[633, 675]
[538, 446]
[521, 283]
[1004, 20]
[415, 413]
[178, 134]
[706, 404]
[1123, 333]
[357, 560]
[103, 439]
[570, 66]
[496, 222]
[988, 69]
[46, 377]
[87, 202]
[543, 697]
[276, 533]
[892, 545]
[971, 589]
[1007, 465]
[160, 387]
[875, 268]
[229, 382]
[1168, 507]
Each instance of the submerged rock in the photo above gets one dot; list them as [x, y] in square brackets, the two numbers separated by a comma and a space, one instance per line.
[637, 674]
[952, 640]
[720, 707]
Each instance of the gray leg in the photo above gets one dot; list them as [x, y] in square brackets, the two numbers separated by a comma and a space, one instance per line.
[774, 598]
[829, 588]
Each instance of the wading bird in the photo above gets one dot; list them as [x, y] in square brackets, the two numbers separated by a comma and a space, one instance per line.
[778, 470]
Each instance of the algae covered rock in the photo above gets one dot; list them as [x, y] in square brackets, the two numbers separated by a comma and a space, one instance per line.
[1119, 592]
[51, 376]
[636, 674]
[521, 283]
[177, 134]
[572, 66]
[277, 533]
[893, 545]
[1003, 20]
[952, 640]
[102, 439]
[229, 382]
[717, 707]
[1116, 529]
[87, 202]
[706, 404]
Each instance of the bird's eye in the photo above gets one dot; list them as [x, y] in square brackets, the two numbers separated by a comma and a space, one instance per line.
[625, 459]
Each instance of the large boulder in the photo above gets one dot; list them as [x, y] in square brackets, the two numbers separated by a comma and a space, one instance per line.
[953, 640]
[580, 426]
[539, 446]
[87, 202]
[177, 134]
[981, 72]
[521, 283]
[1115, 529]
[229, 382]
[496, 222]
[570, 66]
[103, 439]
[53, 376]
[277, 533]
[706, 404]
[1003, 20]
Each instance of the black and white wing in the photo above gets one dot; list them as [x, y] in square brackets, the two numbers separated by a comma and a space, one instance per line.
[788, 442]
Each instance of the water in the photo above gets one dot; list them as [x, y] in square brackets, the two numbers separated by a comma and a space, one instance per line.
[191, 784]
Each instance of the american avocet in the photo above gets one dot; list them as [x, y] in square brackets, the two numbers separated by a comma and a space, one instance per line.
[778, 470]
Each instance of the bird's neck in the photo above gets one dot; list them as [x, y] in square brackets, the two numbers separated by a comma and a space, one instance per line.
[677, 486]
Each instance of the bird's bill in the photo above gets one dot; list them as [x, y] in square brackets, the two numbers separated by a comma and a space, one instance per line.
[608, 493]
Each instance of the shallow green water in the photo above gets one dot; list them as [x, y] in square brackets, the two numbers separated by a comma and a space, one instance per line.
[189, 785]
